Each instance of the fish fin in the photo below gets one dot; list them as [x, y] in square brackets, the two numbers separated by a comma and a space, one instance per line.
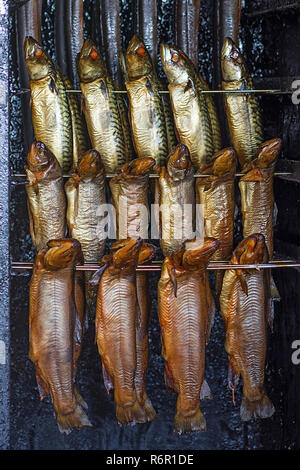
[168, 377]
[195, 422]
[262, 408]
[274, 291]
[131, 414]
[149, 87]
[94, 281]
[79, 399]
[75, 419]
[243, 281]
[233, 378]
[52, 86]
[82, 105]
[42, 385]
[149, 410]
[205, 392]
[219, 275]
[108, 383]
[189, 85]
[172, 274]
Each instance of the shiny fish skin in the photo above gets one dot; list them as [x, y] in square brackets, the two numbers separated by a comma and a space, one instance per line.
[214, 118]
[56, 328]
[145, 25]
[243, 111]
[116, 319]
[190, 111]
[51, 115]
[186, 27]
[216, 195]
[74, 27]
[46, 196]
[175, 188]
[230, 19]
[185, 323]
[245, 306]
[105, 114]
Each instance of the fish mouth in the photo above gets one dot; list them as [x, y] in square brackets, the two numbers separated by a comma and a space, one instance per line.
[86, 49]
[39, 157]
[139, 166]
[31, 45]
[147, 252]
[196, 256]
[179, 162]
[90, 65]
[63, 252]
[127, 253]
[251, 250]
[138, 60]
[268, 151]
[229, 49]
[90, 164]
[134, 44]
[165, 53]
[224, 162]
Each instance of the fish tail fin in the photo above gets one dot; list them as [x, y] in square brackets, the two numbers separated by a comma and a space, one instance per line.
[205, 392]
[131, 414]
[76, 419]
[262, 408]
[188, 423]
[149, 410]
[275, 296]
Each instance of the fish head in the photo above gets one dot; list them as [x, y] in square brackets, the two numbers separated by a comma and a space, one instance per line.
[177, 66]
[224, 162]
[232, 62]
[251, 250]
[38, 63]
[126, 256]
[147, 253]
[63, 253]
[138, 60]
[268, 152]
[90, 65]
[40, 160]
[198, 252]
[139, 166]
[90, 164]
[179, 163]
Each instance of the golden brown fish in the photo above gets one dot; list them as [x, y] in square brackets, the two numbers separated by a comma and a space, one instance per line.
[85, 192]
[185, 326]
[245, 306]
[116, 320]
[129, 192]
[242, 110]
[175, 196]
[56, 329]
[215, 194]
[46, 196]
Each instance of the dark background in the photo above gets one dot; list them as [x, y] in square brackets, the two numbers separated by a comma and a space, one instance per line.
[272, 48]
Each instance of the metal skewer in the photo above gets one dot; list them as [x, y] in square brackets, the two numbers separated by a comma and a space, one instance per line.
[196, 175]
[21, 91]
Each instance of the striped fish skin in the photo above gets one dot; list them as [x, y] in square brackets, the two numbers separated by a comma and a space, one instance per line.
[51, 115]
[190, 111]
[245, 306]
[46, 196]
[187, 15]
[175, 193]
[56, 328]
[184, 322]
[215, 193]
[116, 319]
[213, 114]
[130, 189]
[243, 111]
[103, 110]
[150, 134]
[85, 191]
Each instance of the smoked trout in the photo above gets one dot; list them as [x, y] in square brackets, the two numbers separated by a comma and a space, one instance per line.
[246, 309]
[56, 330]
[175, 199]
[151, 122]
[85, 192]
[257, 196]
[185, 326]
[145, 25]
[116, 320]
[187, 15]
[104, 110]
[51, 116]
[129, 192]
[242, 110]
[189, 105]
[46, 196]
[215, 194]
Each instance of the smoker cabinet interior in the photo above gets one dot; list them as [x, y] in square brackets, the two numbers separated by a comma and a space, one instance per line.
[269, 34]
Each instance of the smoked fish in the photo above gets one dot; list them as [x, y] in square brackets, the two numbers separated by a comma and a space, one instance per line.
[129, 192]
[190, 110]
[56, 329]
[85, 191]
[242, 110]
[185, 327]
[51, 116]
[116, 320]
[104, 110]
[175, 198]
[46, 196]
[215, 194]
[187, 15]
[145, 25]
[150, 119]
[246, 309]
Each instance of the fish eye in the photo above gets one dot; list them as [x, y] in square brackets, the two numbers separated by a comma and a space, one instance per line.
[94, 54]
[175, 57]
[140, 51]
[38, 52]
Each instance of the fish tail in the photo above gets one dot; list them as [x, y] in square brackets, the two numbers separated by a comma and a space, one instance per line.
[76, 419]
[262, 408]
[149, 410]
[205, 392]
[188, 423]
[131, 414]
[274, 291]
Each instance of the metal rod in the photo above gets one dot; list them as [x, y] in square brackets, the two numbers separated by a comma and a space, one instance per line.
[156, 266]
[208, 92]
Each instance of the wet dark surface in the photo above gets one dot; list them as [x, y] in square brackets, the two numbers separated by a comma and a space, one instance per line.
[33, 424]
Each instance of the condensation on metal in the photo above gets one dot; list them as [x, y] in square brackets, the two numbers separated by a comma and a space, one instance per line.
[4, 228]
